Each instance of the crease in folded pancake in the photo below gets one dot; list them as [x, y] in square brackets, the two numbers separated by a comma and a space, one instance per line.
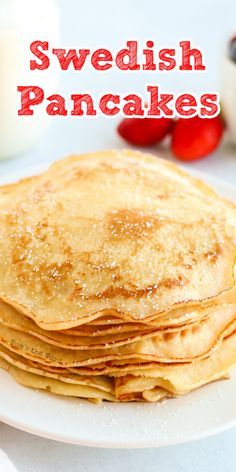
[177, 317]
[11, 318]
[100, 382]
[211, 325]
[52, 385]
[69, 252]
[195, 341]
[171, 380]
[181, 379]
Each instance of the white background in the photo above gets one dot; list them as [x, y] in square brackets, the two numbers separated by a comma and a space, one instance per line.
[108, 24]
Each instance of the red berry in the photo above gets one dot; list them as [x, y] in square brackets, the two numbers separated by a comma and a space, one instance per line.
[194, 138]
[144, 131]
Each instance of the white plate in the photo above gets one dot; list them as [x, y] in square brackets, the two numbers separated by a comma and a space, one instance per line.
[204, 412]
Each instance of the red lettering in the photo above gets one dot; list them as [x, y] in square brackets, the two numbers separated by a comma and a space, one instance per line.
[78, 101]
[103, 104]
[150, 64]
[101, 55]
[57, 105]
[71, 56]
[186, 55]
[27, 101]
[168, 63]
[186, 101]
[210, 105]
[158, 107]
[131, 54]
[134, 105]
[34, 47]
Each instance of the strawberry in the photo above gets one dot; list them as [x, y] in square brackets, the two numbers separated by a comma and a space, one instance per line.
[144, 131]
[194, 138]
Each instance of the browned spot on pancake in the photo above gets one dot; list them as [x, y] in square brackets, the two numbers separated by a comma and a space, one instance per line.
[188, 261]
[112, 291]
[128, 397]
[87, 172]
[121, 381]
[164, 196]
[184, 332]
[168, 336]
[196, 327]
[41, 191]
[40, 230]
[180, 281]
[83, 172]
[132, 224]
[44, 285]
[55, 271]
[19, 251]
[214, 253]
[188, 265]
[45, 276]
[158, 247]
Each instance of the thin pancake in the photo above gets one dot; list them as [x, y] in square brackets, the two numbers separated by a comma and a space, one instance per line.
[163, 240]
[178, 379]
[175, 318]
[100, 382]
[186, 345]
[28, 379]
[168, 381]
[212, 325]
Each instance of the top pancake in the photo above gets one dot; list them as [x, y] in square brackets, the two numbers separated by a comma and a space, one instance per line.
[119, 231]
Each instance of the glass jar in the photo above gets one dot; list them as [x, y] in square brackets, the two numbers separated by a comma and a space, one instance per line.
[22, 22]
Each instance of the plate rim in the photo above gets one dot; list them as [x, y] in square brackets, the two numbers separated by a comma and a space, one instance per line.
[220, 186]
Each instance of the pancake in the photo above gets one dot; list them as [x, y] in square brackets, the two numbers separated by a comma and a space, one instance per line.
[28, 379]
[175, 318]
[164, 240]
[101, 382]
[166, 381]
[196, 341]
[212, 325]
[117, 279]
[181, 379]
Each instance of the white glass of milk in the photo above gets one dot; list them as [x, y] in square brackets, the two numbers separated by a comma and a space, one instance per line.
[228, 95]
[21, 22]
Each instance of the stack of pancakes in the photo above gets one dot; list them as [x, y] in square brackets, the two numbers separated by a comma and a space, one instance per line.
[117, 279]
